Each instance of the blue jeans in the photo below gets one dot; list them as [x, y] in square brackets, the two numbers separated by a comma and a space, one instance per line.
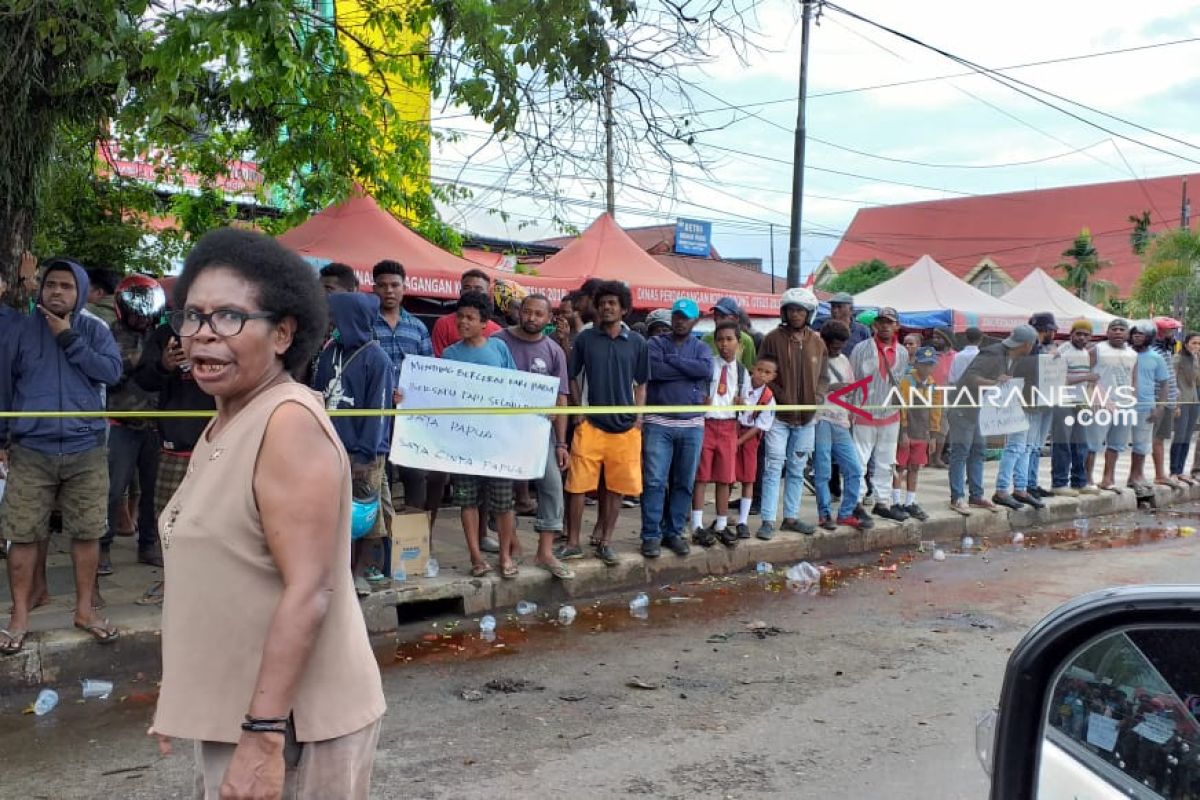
[1068, 452]
[966, 454]
[788, 446]
[132, 450]
[1039, 428]
[1012, 464]
[670, 457]
[834, 442]
[1181, 441]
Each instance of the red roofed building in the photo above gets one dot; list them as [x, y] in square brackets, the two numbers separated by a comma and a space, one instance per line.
[994, 241]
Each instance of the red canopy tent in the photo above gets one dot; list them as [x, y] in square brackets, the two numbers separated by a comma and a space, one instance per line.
[360, 233]
[606, 251]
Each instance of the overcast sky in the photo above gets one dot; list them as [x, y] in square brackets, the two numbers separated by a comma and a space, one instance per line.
[970, 123]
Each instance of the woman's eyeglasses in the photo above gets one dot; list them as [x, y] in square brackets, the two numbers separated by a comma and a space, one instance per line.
[222, 322]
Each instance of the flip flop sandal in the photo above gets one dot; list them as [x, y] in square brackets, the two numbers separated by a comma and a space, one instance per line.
[510, 572]
[152, 596]
[15, 643]
[1109, 487]
[102, 632]
[559, 571]
[481, 570]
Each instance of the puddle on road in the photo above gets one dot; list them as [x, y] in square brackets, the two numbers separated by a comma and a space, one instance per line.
[735, 597]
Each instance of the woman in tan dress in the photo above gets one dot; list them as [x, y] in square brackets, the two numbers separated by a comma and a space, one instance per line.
[266, 661]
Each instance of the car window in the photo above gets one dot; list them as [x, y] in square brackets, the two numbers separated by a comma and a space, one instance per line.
[1126, 709]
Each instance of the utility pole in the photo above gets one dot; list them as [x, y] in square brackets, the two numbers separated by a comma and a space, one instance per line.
[1185, 208]
[609, 180]
[772, 225]
[793, 267]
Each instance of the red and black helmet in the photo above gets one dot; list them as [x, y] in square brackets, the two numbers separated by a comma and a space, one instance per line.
[139, 301]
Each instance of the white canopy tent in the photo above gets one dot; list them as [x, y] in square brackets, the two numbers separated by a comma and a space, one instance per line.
[1040, 292]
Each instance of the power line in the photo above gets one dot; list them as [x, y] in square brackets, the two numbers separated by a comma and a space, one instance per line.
[1015, 85]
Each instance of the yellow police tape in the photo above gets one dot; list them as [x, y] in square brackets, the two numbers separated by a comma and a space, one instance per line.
[491, 411]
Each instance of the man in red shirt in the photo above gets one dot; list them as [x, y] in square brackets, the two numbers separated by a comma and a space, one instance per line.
[445, 330]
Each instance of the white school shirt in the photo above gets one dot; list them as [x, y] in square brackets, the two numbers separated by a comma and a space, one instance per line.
[734, 370]
[766, 417]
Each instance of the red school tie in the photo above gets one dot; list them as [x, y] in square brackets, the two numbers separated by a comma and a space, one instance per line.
[723, 381]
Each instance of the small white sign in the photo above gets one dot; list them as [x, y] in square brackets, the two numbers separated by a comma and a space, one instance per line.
[1001, 411]
[1102, 731]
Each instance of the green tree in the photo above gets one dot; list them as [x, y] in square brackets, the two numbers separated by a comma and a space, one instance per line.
[1081, 270]
[1139, 237]
[209, 83]
[1172, 262]
[861, 276]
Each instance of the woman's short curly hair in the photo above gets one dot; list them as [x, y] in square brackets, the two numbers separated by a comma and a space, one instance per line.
[287, 285]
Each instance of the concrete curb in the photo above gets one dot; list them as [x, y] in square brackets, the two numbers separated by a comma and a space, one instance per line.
[63, 656]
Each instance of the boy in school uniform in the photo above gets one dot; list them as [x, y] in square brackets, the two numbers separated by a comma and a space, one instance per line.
[718, 454]
[918, 423]
[751, 425]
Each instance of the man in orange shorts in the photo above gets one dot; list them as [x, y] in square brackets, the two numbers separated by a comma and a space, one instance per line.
[615, 363]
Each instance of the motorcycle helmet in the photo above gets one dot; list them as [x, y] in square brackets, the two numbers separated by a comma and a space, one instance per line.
[139, 302]
[505, 293]
[798, 297]
[363, 514]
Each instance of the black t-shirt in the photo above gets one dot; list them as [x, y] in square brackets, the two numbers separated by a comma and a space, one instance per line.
[612, 367]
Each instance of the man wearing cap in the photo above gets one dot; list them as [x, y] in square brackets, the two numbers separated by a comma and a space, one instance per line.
[1040, 417]
[727, 308]
[993, 366]
[885, 363]
[841, 307]
[680, 368]
[1069, 474]
[1115, 362]
[1013, 488]
[658, 322]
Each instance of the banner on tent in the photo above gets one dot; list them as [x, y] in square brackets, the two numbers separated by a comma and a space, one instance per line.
[499, 447]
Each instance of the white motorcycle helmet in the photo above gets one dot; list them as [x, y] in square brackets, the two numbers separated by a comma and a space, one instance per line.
[798, 297]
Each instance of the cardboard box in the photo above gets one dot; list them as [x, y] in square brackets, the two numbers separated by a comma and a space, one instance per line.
[409, 543]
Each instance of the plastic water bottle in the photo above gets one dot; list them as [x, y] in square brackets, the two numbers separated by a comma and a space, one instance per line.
[47, 699]
[526, 607]
[487, 624]
[939, 554]
[967, 543]
[803, 572]
[566, 615]
[97, 689]
[765, 568]
[431, 568]
[400, 575]
[641, 600]
[1018, 538]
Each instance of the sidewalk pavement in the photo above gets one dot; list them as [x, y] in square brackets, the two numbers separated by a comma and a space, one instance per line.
[58, 653]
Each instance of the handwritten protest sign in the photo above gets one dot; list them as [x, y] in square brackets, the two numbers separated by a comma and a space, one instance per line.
[509, 446]
[1052, 377]
[1000, 411]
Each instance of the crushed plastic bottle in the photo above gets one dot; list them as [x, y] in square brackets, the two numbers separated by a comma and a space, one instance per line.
[400, 575]
[765, 568]
[939, 554]
[1081, 527]
[526, 607]
[487, 624]
[967, 543]
[1018, 538]
[47, 699]
[803, 572]
[677, 599]
[91, 688]
[640, 600]
[566, 615]
[432, 568]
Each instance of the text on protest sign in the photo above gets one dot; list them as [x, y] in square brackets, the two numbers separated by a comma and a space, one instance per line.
[507, 446]
[1000, 410]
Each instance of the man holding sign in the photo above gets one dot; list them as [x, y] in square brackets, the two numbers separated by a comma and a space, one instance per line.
[536, 352]
[474, 347]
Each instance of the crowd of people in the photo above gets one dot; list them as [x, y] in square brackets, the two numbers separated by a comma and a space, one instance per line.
[721, 415]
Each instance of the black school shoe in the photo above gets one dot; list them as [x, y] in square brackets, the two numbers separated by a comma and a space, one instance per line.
[651, 548]
[677, 545]
[727, 536]
[743, 530]
[894, 513]
[916, 512]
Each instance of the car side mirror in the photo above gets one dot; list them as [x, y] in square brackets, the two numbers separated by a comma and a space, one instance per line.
[1100, 700]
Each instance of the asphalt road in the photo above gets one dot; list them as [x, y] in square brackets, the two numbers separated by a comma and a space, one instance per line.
[870, 688]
